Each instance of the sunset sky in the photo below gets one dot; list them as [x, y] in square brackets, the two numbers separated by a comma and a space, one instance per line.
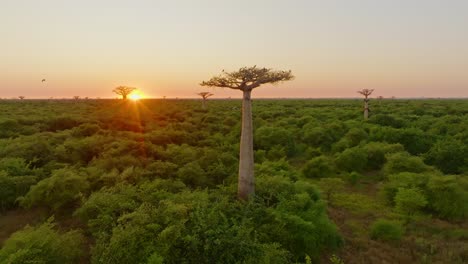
[403, 48]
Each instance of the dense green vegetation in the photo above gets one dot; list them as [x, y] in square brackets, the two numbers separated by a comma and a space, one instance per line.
[155, 181]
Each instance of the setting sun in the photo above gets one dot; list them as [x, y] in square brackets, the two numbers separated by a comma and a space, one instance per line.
[134, 97]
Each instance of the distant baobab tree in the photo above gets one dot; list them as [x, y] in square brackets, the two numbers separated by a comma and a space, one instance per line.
[204, 96]
[76, 97]
[246, 79]
[380, 99]
[366, 93]
[21, 97]
[124, 91]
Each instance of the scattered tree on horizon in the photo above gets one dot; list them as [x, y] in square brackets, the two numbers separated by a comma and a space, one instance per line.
[124, 91]
[76, 97]
[246, 79]
[205, 96]
[21, 97]
[366, 93]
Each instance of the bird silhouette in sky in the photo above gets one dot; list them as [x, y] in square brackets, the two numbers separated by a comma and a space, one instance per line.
[43, 80]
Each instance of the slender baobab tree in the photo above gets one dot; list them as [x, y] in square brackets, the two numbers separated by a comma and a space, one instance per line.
[246, 79]
[380, 99]
[124, 91]
[366, 93]
[205, 96]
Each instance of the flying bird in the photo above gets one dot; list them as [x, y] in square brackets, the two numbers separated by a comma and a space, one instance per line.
[43, 80]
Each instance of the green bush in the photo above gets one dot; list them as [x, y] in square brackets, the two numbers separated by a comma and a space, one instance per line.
[448, 197]
[42, 244]
[404, 162]
[353, 177]
[15, 166]
[352, 159]
[386, 230]
[450, 156]
[409, 201]
[406, 180]
[319, 167]
[62, 189]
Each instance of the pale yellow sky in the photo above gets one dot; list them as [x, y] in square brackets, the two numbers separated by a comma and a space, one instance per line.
[399, 48]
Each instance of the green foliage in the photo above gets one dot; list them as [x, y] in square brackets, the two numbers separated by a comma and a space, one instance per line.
[448, 196]
[353, 177]
[15, 166]
[386, 230]
[330, 186]
[409, 201]
[450, 156]
[406, 180]
[334, 259]
[415, 140]
[42, 244]
[192, 174]
[355, 136]
[7, 191]
[375, 155]
[267, 137]
[404, 162]
[11, 188]
[155, 182]
[319, 167]
[62, 189]
[352, 159]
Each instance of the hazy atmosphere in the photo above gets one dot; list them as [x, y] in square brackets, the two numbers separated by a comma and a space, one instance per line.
[166, 48]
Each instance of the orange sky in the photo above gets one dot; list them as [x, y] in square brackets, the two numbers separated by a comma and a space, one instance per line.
[165, 48]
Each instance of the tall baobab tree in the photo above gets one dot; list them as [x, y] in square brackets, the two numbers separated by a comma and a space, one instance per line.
[366, 93]
[205, 96]
[246, 79]
[124, 91]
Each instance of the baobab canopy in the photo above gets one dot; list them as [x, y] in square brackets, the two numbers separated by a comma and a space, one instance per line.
[248, 78]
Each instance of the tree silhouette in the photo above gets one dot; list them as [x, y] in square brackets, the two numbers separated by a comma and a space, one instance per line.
[246, 79]
[76, 97]
[205, 96]
[366, 93]
[21, 97]
[124, 91]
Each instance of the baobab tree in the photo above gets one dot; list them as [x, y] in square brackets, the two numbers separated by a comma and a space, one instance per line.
[124, 91]
[204, 96]
[366, 93]
[380, 99]
[246, 79]
[76, 97]
[21, 97]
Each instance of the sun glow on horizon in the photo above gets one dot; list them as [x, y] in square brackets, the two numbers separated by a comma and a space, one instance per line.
[135, 97]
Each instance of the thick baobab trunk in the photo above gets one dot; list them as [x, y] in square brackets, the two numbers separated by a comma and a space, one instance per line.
[124, 96]
[246, 187]
[366, 109]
